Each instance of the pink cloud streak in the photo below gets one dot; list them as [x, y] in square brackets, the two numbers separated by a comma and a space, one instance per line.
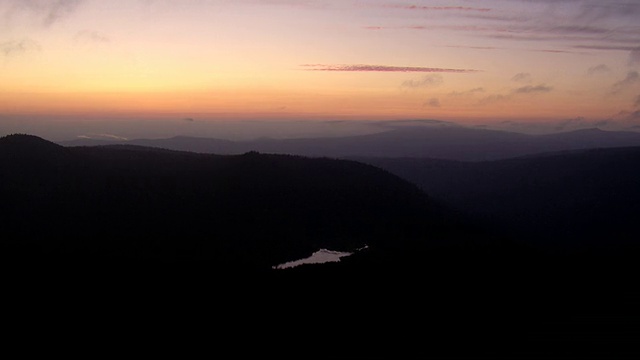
[437, 8]
[381, 68]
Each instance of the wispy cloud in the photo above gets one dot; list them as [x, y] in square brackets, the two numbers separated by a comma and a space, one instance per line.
[554, 51]
[86, 36]
[632, 78]
[583, 123]
[474, 47]
[593, 10]
[521, 77]
[636, 103]
[431, 80]
[598, 69]
[551, 51]
[568, 24]
[467, 93]
[433, 102]
[13, 48]
[493, 98]
[606, 47]
[525, 90]
[532, 89]
[634, 56]
[570, 123]
[381, 68]
[436, 8]
[59, 9]
[48, 12]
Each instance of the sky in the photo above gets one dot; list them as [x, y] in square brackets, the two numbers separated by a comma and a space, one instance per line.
[171, 66]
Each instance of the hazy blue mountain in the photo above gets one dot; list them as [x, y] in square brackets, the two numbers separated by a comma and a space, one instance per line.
[443, 142]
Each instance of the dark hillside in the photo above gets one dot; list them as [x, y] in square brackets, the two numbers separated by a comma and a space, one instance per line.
[568, 292]
[241, 211]
[585, 198]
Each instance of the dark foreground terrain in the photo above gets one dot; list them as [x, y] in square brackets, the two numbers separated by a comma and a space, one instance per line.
[173, 251]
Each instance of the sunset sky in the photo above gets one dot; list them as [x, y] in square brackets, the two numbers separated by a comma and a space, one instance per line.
[478, 62]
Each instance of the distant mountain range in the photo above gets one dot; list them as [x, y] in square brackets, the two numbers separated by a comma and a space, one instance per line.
[445, 142]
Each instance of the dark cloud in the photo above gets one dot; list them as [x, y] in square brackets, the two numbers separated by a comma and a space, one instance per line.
[189, 119]
[380, 68]
[437, 8]
[493, 98]
[570, 123]
[525, 90]
[591, 10]
[598, 69]
[474, 47]
[13, 48]
[552, 51]
[563, 30]
[431, 80]
[578, 29]
[632, 78]
[570, 24]
[626, 118]
[606, 47]
[521, 77]
[532, 89]
[495, 17]
[585, 23]
[545, 30]
[433, 102]
[601, 123]
[529, 37]
[466, 93]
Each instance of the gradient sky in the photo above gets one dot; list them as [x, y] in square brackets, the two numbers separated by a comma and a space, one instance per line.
[481, 62]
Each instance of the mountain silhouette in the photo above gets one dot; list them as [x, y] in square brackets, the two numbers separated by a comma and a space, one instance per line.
[24, 147]
[440, 142]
